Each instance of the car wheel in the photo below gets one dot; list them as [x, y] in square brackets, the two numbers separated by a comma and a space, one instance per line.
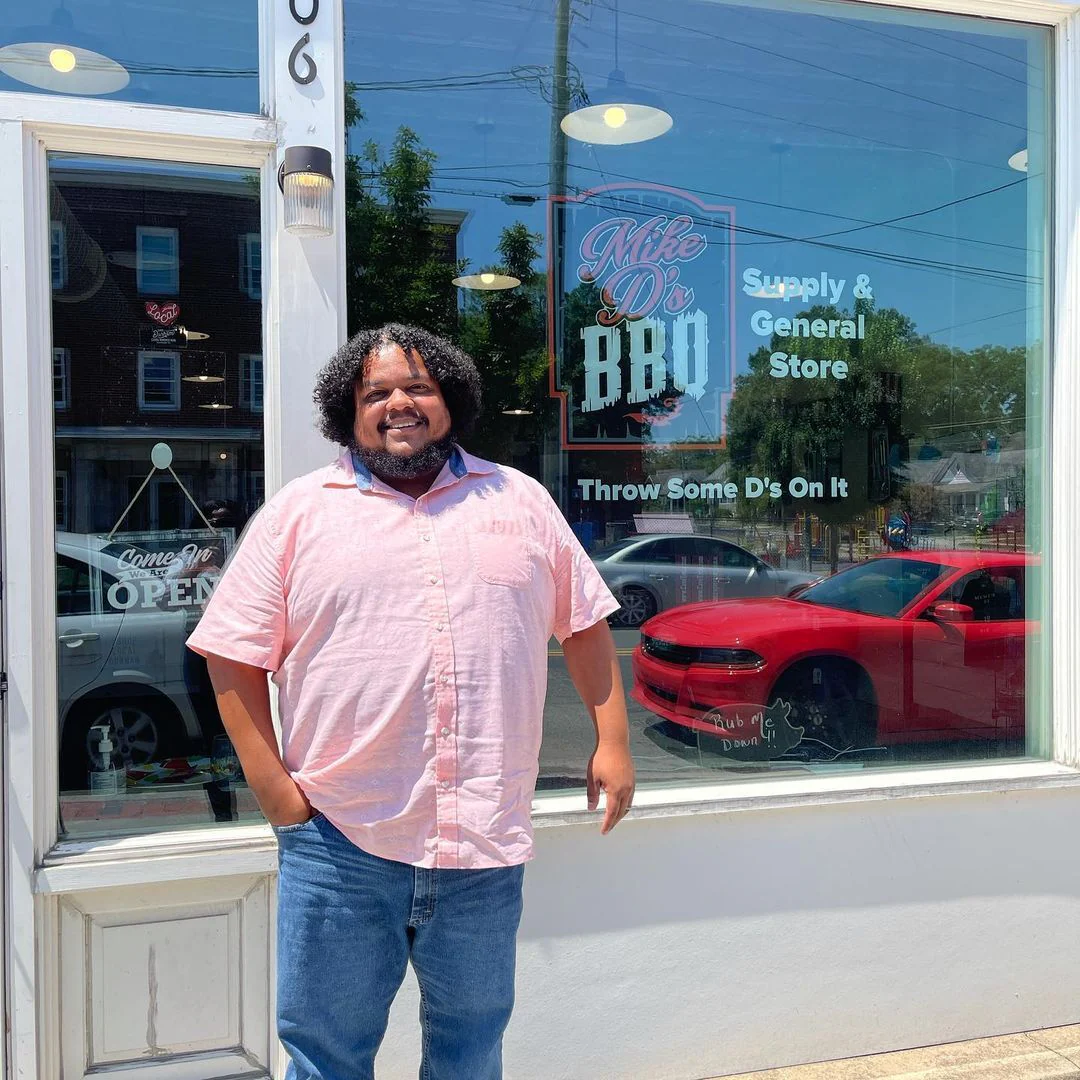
[833, 702]
[638, 607]
[143, 730]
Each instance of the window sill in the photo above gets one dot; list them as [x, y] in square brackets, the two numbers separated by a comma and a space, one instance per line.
[74, 866]
[868, 786]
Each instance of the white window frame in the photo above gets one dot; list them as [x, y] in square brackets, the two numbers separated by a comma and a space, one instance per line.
[248, 362]
[250, 281]
[146, 356]
[312, 276]
[141, 284]
[58, 260]
[62, 357]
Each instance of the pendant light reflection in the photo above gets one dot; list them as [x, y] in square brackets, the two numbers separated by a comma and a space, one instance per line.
[216, 406]
[780, 290]
[517, 412]
[1019, 160]
[619, 115]
[58, 57]
[488, 281]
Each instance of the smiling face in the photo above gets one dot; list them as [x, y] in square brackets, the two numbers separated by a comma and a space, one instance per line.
[403, 426]
[399, 406]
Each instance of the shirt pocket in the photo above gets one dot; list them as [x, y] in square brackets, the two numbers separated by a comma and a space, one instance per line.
[502, 559]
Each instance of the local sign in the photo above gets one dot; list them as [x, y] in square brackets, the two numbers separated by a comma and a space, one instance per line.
[641, 317]
[162, 314]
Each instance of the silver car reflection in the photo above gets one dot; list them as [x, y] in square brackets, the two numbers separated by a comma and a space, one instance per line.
[120, 668]
[650, 573]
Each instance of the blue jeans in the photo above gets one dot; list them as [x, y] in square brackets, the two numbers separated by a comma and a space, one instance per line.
[349, 923]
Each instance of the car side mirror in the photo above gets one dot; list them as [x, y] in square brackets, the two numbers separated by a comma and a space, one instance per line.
[798, 590]
[951, 613]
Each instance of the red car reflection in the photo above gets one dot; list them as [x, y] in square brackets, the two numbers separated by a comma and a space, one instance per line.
[899, 649]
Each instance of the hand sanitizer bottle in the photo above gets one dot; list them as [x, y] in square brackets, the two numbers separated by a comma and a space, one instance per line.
[107, 776]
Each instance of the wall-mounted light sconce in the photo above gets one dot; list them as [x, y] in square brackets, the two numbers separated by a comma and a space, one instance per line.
[307, 182]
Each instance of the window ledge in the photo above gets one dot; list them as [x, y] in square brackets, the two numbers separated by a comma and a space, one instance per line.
[78, 865]
[864, 786]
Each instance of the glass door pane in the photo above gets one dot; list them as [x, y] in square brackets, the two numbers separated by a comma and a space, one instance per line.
[157, 330]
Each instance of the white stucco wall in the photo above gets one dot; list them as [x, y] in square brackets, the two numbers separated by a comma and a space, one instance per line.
[698, 946]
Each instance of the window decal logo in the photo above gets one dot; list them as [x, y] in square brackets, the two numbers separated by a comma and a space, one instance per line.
[641, 317]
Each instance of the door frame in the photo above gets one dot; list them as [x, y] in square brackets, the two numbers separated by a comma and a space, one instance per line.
[302, 278]
[28, 454]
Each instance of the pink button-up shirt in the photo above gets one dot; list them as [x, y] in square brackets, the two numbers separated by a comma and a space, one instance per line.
[408, 640]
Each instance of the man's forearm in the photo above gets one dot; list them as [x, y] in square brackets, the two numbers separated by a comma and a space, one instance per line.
[243, 700]
[593, 666]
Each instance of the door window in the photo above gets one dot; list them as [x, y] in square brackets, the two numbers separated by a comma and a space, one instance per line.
[159, 463]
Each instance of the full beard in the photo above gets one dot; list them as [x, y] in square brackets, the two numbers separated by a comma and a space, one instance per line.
[427, 460]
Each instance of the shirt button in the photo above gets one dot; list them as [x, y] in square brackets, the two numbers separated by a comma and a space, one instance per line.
[433, 579]
[445, 732]
[439, 627]
[444, 679]
[446, 783]
[425, 537]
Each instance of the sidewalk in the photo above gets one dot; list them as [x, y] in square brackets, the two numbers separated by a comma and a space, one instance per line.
[1035, 1055]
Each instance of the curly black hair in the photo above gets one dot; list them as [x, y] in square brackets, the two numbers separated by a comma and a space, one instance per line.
[451, 368]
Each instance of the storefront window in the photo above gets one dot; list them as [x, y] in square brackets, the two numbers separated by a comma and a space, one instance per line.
[159, 464]
[201, 54]
[759, 295]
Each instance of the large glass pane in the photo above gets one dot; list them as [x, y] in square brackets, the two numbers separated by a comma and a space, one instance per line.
[758, 292]
[198, 53]
[159, 463]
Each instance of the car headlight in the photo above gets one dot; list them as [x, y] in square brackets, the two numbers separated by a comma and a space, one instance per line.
[671, 653]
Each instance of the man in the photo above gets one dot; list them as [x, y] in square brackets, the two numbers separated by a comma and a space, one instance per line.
[404, 598]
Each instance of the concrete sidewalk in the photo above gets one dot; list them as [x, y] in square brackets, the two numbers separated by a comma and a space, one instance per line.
[1052, 1052]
